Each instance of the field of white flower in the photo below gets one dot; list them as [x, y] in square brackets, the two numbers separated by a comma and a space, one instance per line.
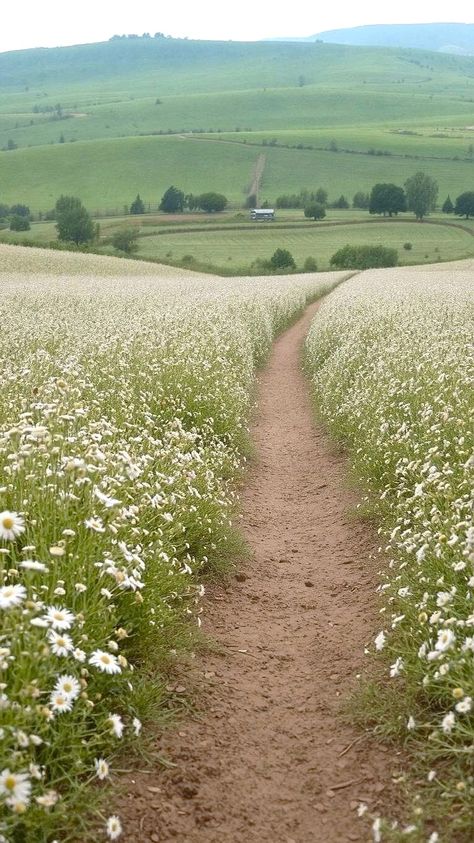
[125, 398]
[391, 357]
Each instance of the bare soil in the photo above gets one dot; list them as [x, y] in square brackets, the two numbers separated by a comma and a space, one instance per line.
[270, 759]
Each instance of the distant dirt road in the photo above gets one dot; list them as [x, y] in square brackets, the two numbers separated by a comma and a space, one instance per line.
[269, 759]
[257, 176]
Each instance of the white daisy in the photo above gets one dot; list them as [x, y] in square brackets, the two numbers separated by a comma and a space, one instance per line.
[448, 723]
[95, 524]
[106, 662]
[48, 799]
[380, 641]
[61, 645]
[114, 828]
[15, 785]
[11, 595]
[446, 638]
[33, 565]
[60, 703]
[117, 724]
[137, 726]
[68, 686]
[59, 618]
[11, 525]
[105, 499]
[101, 768]
[464, 706]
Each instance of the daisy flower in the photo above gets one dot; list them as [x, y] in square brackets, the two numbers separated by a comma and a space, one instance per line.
[15, 785]
[60, 703]
[68, 686]
[117, 724]
[59, 618]
[11, 525]
[11, 595]
[33, 565]
[106, 662]
[108, 502]
[113, 828]
[101, 768]
[61, 645]
[137, 726]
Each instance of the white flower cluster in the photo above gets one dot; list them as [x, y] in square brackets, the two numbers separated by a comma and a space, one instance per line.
[125, 398]
[392, 360]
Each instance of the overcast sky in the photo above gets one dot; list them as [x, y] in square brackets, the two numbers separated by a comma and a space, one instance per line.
[46, 23]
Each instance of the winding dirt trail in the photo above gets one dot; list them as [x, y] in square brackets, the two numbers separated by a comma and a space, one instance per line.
[270, 760]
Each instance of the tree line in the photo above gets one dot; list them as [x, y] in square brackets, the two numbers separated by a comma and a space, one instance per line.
[419, 194]
[174, 201]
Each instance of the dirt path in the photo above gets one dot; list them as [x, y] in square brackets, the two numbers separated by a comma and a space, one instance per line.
[257, 176]
[268, 760]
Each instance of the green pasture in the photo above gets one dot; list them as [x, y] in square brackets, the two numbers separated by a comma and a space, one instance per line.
[228, 248]
[413, 141]
[110, 173]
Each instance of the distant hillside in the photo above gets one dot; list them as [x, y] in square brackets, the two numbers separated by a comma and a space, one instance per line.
[455, 38]
[106, 121]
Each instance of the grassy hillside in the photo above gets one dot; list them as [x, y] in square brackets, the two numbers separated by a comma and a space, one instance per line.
[108, 173]
[102, 120]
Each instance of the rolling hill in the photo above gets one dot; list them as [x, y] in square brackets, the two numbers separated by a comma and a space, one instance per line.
[105, 121]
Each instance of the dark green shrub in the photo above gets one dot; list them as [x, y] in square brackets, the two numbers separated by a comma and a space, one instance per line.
[19, 223]
[310, 265]
[364, 257]
[282, 259]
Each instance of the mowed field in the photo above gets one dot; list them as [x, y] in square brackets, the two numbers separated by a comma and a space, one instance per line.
[227, 248]
[232, 243]
[105, 121]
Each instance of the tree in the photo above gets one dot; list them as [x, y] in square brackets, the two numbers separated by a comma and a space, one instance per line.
[19, 223]
[361, 200]
[251, 201]
[137, 206]
[282, 259]
[387, 198]
[310, 265]
[73, 222]
[448, 207]
[212, 202]
[172, 201]
[125, 240]
[20, 210]
[341, 202]
[422, 192]
[321, 196]
[364, 257]
[465, 204]
[315, 211]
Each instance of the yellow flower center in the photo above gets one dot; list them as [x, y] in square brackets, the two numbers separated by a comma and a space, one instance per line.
[105, 659]
[8, 522]
[10, 782]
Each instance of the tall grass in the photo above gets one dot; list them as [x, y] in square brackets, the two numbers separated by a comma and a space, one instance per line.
[391, 359]
[125, 398]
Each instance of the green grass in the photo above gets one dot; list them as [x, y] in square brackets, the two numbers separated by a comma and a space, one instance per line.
[227, 248]
[109, 173]
[230, 242]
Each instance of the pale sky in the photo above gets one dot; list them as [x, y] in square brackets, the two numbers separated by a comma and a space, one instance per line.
[47, 23]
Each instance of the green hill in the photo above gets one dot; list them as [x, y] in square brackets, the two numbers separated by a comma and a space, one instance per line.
[104, 120]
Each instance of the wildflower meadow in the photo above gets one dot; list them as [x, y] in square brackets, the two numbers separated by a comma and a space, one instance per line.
[123, 426]
[391, 358]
